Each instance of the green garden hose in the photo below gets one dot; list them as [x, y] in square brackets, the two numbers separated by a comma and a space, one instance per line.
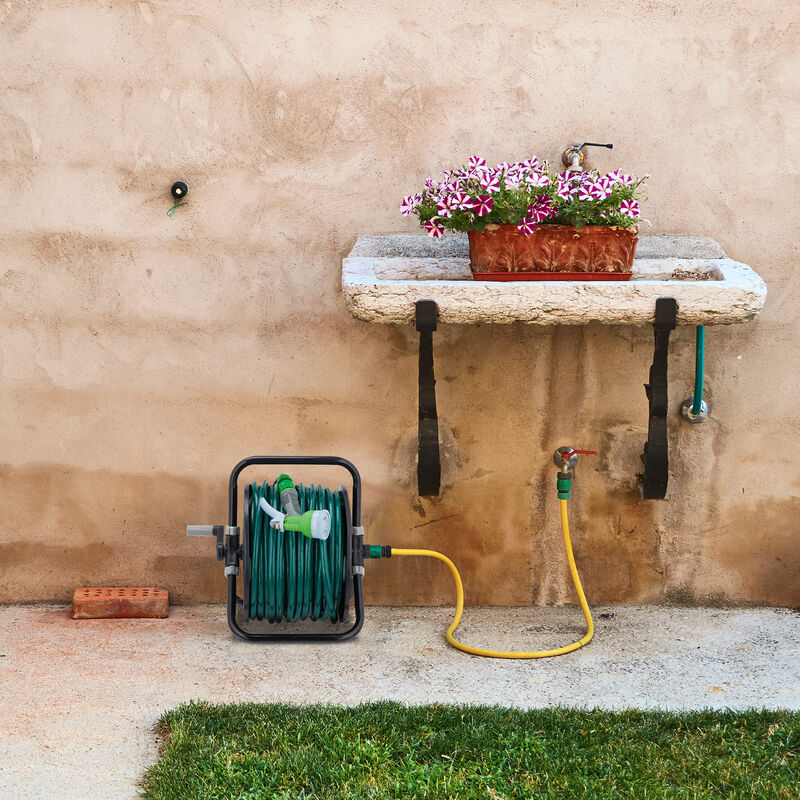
[699, 358]
[293, 577]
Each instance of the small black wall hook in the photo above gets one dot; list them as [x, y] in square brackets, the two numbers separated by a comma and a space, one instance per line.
[179, 190]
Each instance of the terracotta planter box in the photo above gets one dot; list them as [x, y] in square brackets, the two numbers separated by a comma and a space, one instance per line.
[552, 253]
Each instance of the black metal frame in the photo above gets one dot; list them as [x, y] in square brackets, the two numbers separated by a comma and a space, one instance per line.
[656, 449]
[233, 550]
[429, 467]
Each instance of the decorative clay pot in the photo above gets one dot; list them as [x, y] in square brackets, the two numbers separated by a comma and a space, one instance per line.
[552, 253]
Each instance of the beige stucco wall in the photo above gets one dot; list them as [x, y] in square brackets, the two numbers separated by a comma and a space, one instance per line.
[142, 356]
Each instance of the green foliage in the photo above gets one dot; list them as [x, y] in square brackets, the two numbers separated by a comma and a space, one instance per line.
[386, 750]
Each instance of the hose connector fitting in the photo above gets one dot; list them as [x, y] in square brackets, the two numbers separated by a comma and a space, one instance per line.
[566, 458]
[289, 497]
[377, 551]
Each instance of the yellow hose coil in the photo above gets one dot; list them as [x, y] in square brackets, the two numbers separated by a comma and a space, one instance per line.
[479, 651]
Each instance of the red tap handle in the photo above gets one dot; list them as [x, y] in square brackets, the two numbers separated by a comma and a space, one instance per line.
[580, 452]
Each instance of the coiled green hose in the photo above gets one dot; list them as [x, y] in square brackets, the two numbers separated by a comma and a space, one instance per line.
[293, 577]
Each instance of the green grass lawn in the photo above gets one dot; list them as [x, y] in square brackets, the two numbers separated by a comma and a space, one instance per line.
[386, 750]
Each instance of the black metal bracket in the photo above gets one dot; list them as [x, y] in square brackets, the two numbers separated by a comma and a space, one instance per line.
[656, 450]
[429, 467]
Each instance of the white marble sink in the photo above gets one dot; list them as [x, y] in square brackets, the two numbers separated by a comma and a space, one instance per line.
[384, 275]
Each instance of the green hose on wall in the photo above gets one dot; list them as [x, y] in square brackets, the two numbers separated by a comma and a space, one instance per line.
[699, 358]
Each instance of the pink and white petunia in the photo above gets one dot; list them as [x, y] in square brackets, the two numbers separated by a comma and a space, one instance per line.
[477, 161]
[409, 204]
[630, 208]
[527, 225]
[490, 182]
[463, 201]
[541, 208]
[599, 190]
[566, 191]
[434, 229]
[537, 179]
[483, 204]
[446, 205]
[585, 193]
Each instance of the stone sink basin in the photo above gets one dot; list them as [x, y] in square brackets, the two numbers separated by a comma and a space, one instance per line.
[384, 275]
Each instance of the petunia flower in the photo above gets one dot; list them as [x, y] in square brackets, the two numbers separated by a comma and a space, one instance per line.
[483, 204]
[477, 161]
[491, 183]
[565, 191]
[599, 190]
[408, 205]
[537, 179]
[463, 201]
[541, 208]
[434, 229]
[630, 208]
[527, 225]
[446, 205]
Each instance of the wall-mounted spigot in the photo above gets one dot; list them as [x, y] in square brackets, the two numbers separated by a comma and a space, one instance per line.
[565, 458]
[573, 157]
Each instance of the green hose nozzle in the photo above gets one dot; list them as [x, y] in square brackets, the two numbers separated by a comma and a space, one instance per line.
[312, 524]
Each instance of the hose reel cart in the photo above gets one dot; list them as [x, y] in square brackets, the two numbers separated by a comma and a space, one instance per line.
[313, 573]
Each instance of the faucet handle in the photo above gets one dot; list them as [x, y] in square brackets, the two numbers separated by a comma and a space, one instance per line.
[575, 151]
[565, 458]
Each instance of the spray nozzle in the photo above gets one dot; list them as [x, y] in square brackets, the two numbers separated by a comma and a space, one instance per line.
[312, 524]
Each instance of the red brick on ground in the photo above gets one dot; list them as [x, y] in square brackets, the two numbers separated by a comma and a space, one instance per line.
[120, 602]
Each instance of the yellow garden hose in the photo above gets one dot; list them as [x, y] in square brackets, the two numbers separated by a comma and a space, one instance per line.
[479, 651]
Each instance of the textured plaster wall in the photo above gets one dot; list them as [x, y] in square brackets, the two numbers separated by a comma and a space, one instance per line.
[142, 356]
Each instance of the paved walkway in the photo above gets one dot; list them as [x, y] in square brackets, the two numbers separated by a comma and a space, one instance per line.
[80, 698]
